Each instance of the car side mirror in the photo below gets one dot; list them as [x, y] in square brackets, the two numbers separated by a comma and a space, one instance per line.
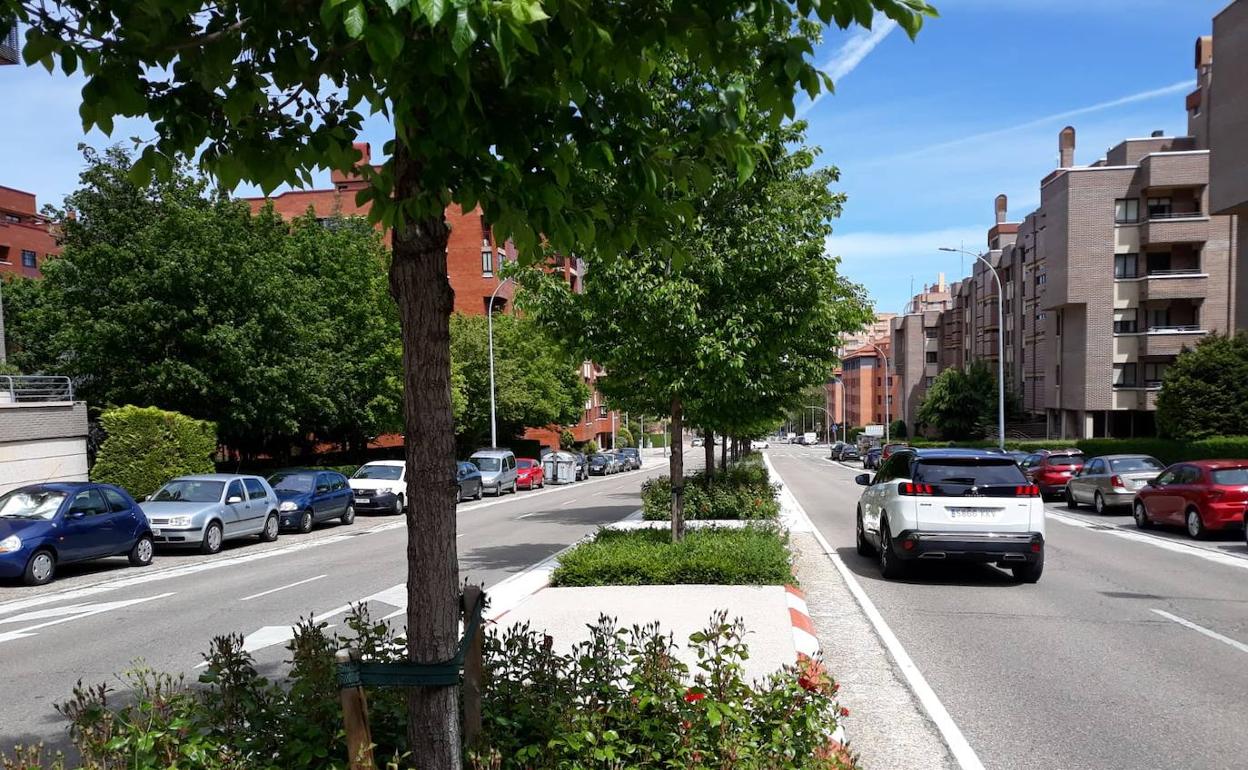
[77, 514]
[863, 479]
[147, 499]
[322, 489]
[232, 499]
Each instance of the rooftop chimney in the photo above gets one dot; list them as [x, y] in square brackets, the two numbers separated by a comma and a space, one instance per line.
[1066, 147]
[940, 279]
[1204, 51]
[1002, 206]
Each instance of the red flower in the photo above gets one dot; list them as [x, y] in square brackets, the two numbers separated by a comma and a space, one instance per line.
[844, 711]
[694, 697]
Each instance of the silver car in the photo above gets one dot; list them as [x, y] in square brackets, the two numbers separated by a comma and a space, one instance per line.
[1111, 481]
[498, 469]
[205, 511]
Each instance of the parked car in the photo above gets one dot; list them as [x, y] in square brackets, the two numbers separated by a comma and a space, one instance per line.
[871, 460]
[205, 511]
[43, 526]
[759, 443]
[836, 447]
[310, 496]
[602, 464]
[467, 482]
[810, 438]
[1017, 455]
[529, 474]
[380, 487]
[697, 442]
[848, 452]
[498, 469]
[951, 504]
[888, 449]
[1111, 481]
[1202, 496]
[582, 466]
[1050, 469]
[631, 458]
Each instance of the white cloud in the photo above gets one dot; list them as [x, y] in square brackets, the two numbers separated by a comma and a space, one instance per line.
[865, 246]
[847, 58]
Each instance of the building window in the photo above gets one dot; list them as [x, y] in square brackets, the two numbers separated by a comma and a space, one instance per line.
[927, 381]
[1158, 207]
[28, 258]
[879, 399]
[13, 218]
[1042, 279]
[931, 356]
[487, 260]
[930, 333]
[1058, 331]
[1124, 375]
[1126, 265]
[1126, 211]
[602, 410]
[485, 231]
[1125, 321]
[878, 382]
[1158, 317]
[890, 382]
[1154, 374]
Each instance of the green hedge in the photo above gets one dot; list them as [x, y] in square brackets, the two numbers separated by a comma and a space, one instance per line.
[755, 555]
[1166, 450]
[743, 491]
[146, 446]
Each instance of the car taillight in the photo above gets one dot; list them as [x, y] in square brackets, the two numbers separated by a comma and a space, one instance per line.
[1116, 481]
[912, 489]
[1027, 490]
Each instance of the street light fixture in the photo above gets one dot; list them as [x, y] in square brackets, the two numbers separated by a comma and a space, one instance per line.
[1000, 342]
[490, 323]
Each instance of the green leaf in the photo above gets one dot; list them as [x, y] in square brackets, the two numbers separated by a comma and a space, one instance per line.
[433, 10]
[354, 20]
[397, 5]
[465, 35]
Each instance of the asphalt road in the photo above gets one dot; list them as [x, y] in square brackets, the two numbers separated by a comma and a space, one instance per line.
[96, 621]
[1131, 652]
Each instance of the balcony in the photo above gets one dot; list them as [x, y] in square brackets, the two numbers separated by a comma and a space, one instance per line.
[1182, 283]
[1170, 340]
[1174, 169]
[35, 390]
[1175, 227]
[9, 47]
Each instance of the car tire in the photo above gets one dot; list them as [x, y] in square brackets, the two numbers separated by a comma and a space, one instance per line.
[399, 506]
[40, 569]
[480, 493]
[1029, 572]
[891, 568]
[1070, 499]
[141, 552]
[213, 538]
[1140, 514]
[459, 493]
[306, 521]
[1195, 524]
[514, 488]
[860, 539]
[348, 516]
[272, 528]
[1098, 504]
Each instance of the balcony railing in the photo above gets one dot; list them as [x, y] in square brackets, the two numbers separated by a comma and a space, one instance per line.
[1174, 329]
[1152, 215]
[16, 389]
[1174, 271]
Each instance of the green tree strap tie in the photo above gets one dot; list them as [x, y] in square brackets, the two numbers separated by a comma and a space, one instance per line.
[408, 674]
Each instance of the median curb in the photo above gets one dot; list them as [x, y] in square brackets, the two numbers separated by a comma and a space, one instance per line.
[805, 639]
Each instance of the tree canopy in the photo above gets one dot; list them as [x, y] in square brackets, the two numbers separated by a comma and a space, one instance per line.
[1205, 391]
[961, 403]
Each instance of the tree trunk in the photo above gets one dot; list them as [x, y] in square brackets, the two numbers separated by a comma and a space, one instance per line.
[723, 454]
[708, 436]
[676, 469]
[419, 285]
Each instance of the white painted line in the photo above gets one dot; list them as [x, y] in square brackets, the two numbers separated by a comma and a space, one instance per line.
[961, 749]
[279, 588]
[527, 515]
[1208, 554]
[570, 502]
[1202, 630]
[66, 615]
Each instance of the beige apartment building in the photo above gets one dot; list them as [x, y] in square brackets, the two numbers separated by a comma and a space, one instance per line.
[918, 343]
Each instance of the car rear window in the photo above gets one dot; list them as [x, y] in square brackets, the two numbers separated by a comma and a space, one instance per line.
[970, 472]
[1064, 460]
[1133, 464]
[1231, 477]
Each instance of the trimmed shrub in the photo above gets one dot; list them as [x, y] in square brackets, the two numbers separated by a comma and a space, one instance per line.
[566, 439]
[754, 555]
[743, 491]
[623, 438]
[146, 446]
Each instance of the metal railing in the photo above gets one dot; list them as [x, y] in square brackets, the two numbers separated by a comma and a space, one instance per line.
[1173, 328]
[1152, 215]
[22, 389]
[1174, 271]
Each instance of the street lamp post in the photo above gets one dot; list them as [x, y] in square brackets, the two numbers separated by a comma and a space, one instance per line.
[490, 325]
[840, 381]
[888, 393]
[1000, 343]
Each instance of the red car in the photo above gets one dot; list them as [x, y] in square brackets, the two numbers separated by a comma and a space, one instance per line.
[888, 450]
[529, 474]
[1203, 495]
[1050, 469]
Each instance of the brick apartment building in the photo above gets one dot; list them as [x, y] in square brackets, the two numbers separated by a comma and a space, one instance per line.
[474, 262]
[918, 347]
[859, 376]
[26, 239]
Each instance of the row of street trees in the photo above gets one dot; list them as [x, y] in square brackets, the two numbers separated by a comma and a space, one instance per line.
[553, 115]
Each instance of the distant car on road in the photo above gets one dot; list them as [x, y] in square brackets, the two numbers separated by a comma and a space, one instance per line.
[529, 474]
[759, 443]
[467, 482]
[1111, 481]
[697, 442]
[951, 504]
[582, 466]
[810, 438]
[205, 511]
[602, 464]
[871, 459]
[847, 453]
[380, 487]
[1050, 469]
[43, 526]
[888, 450]
[1202, 496]
[498, 469]
[311, 496]
[631, 458]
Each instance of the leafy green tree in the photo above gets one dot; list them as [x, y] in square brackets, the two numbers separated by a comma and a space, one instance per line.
[623, 438]
[961, 404]
[566, 439]
[1205, 391]
[523, 107]
[897, 429]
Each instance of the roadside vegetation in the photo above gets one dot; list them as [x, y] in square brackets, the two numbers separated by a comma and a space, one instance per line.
[742, 491]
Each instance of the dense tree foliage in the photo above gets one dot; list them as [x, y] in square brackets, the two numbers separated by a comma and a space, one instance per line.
[961, 403]
[1205, 391]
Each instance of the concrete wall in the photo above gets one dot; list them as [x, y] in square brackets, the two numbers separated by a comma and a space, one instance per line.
[42, 442]
[1228, 111]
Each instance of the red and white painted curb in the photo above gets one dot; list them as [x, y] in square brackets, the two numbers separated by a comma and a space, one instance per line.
[805, 639]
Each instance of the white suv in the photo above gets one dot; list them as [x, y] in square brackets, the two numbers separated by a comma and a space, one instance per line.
[968, 505]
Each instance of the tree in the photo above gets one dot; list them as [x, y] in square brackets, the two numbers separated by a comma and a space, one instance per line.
[521, 107]
[961, 404]
[1205, 391]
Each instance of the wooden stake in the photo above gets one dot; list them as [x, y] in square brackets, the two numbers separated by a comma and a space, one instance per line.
[355, 719]
[472, 672]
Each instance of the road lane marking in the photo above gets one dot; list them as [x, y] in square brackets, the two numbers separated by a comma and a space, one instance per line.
[1217, 557]
[279, 588]
[570, 502]
[961, 749]
[1202, 630]
[76, 612]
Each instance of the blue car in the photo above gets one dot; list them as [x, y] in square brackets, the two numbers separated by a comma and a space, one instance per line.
[45, 525]
[311, 496]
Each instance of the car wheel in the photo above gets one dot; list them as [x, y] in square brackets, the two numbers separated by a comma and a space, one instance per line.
[480, 493]
[1070, 499]
[272, 528]
[459, 493]
[212, 539]
[40, 568]
[399, 505]
[141, 553]
[305, 522]
[1140, 513]
[348, 516]
[1195, 525]
[513, 487]
[1098, 503]
[860, 539]
[1030, 572]
[891, 567]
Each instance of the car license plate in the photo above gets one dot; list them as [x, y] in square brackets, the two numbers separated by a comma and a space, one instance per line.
[155, 531]
[361, 500]
[973, 513]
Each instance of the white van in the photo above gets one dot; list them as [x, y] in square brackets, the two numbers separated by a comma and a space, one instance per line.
[810, 438]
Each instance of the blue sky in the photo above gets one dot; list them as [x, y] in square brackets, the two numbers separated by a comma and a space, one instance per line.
[925, 133]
